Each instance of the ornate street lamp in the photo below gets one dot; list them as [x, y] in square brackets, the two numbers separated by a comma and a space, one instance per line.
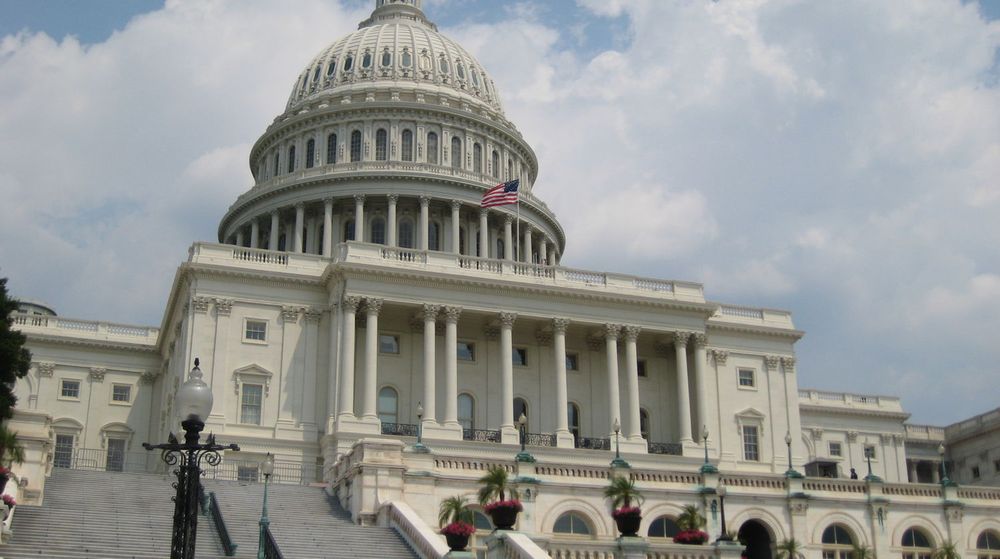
[944, 468]
[871, 475]
[266, 468]
[707, 467]
[721, 492]
[618, 462]
[194, 403]
[419, 446]
[791, 471]
[522, 428]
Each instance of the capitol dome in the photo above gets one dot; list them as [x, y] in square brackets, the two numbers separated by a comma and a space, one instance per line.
[391, 136]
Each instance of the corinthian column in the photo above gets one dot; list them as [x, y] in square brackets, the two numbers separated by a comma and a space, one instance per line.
[359, 217]
[507, 373]
[346, 408]
[611, 348]
[425, 220]
[254, 233]
[300, 218]
[508, 242]
[633, 429]
[429, 315]
[372, 308]
[526, 250]
[272, 242]
[327, 226]
[683, 394]
[451, 315]
[700, 382]
[484, 234]
[390, 226]
[564, 439]
[455, 226]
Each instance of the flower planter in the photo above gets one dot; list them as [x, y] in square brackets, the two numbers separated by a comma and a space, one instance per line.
[692, 537]
[628, 524]
[504, 514]
[457, 542]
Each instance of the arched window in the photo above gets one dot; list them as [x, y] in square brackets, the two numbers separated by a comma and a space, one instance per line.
[407, 145]
[443, 65]
[319, 68]
[460, 70]
[466, 411]
[349, 230]
[386, 58]
[481, 521]
[348, 62]
[988, 545]
[388, 405]
[571, 523]
[456, 152]
[310, 152]
[432, 147]
[500, 249]
[573, 419]
[331, 67]
[477, 157]
[475, 77]
[331, 149]
[644, 423]
[406, 233]
[378, 231]
[663, 527]
[837, 542]
[520, 407]
[510, 169]
[381, 141]
[291, 159]
[917, 545]
[406, 59]
[277, 168]
[433, 236]
[496, 164]
[356, 145]
[366, 60]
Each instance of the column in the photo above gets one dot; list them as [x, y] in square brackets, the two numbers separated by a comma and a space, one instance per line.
[300, 216]
[507, 371]
[508, 242]
[527, 245]
[425, 203]
[239, 237]
[484, 234]
[272, 242]
[935, 472]
[346, 407]
[611, 348]
[683, 395]
[455, 226]
[372, 308]
[564, 438]
[429, 315]
[359, 218]
[254, 233]
[390, 226]
[543, 257]
[451, 315]
[327, 226]
[700, 382]
[911, 467]
[310, 244]
[633, 429]
[307, 390]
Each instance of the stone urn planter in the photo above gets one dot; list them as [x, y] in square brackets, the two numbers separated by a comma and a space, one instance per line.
[628, 519]
[504, 513]
[457, 535]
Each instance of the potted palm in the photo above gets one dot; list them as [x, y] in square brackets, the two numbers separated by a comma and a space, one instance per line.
[456, 522]
[11, 452]
[625, 500]
[790, 549]
[493, 497]
[862, 552]
[691, 523]
[946, 550]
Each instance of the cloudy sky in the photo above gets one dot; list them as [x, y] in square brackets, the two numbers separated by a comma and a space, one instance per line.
[837, 159]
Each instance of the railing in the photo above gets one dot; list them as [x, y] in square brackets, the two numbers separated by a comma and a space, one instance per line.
[742, 312]
[519, 546]
[88, 326]
[215, 513]
[400, 429]
[271, 549]
[414, 531]
[833, 485]
[260, 256]
[285, 471]
[476, 263]
[849, 398]
[539, 439]
[404, 255]
[481, 435]
[534, 270]
[593, 443]
[674, 449]
[97, 459]
[583, 276]
[653, 285]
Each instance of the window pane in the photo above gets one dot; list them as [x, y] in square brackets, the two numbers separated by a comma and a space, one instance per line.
[291, 159]
[746, 377]
[456, 152]
[466, 409]
[835, 449]
[116, 455]
[378, 231]
[331, 149]
[356, 146]
[388, 343]
[251, 404]
[63, 457]
[572, 362]
[432, 148]
[750, 443]
[310, 153]
[387, 405]
[406, 234]
[520, 357]
[71, 389]
[381, 139]
[466, 351]
[121, 393]
[256, 330]
[407, 145]
[663, 527]
[641, 366]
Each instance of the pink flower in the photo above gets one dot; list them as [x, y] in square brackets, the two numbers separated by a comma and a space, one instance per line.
[4, 471]
[626, 511]
[459, 529]
[509, 504]
[9, 500]
[691, 537]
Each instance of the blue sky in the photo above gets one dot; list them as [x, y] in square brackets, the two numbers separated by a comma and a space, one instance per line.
[837, 159]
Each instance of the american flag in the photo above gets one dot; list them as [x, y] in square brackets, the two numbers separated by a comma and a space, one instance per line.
[501, 194]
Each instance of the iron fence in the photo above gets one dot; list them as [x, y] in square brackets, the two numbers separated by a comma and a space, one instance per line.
[674, 449]
[399, 429]
[539, 439]
[593, 443]
[106, 460]
[481, 435]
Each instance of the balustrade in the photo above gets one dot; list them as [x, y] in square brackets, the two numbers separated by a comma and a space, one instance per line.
[481, 435]
[399, 429]
[593, 443]
[674, 449]
[539, 439]
[742, 312]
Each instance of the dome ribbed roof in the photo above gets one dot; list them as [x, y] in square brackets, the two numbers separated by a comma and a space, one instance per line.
[396, 48]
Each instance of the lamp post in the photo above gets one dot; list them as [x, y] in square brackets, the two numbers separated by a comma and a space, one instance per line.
[266, 468]
[618, 462]
[721, 492]
[707, 467]
[419, 446]
[194, 403]
[522, 429]
[944, 468]
[791, 471]
[871, 475]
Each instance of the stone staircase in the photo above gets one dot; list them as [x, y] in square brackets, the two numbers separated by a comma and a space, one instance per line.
[108, 515]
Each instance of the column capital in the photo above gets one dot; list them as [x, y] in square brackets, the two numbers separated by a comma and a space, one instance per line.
[772, 362]
[852, 436]
[350, 303]
[630, 332]
[97, 374]
[328, 201]
[373, 305]
[507, 220]
[276, 212]
[526, 228]
[359, 198]
[700, 340]
[223, 307]
[483, 212]
[681, 338]
[300, 206]
[451, 314]
[507, 319]
[611, 331]
[393, 198]
[559, 325]
[429, 312]
[290, 314]
[455, 205]
[720, 356]
[313, 315]
[789, 364]
[425, 200]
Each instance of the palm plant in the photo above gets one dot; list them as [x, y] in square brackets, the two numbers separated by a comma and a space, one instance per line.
[496, 486]
[623, 493]
[454, 509]
[790, 549]
[862, 552]
[690, 519]
[11, 451]
[946, 550]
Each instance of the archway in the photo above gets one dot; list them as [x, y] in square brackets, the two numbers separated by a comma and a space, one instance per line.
[757, 538]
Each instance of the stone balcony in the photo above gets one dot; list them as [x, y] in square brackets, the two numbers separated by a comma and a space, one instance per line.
[846, 401]
[92, 330]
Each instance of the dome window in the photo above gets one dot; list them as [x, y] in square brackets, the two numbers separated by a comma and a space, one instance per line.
[366, 60]
[432, 148]
[381, 139]
[331, 149]
[477, 158]
[356, 146]
[348, 63]
[460, 70]
[319, 68]
[331, 67]
[407, 145]
[305, 79]
[475, 77]
[456, 152]
[496, 164]
[310, 153]
[443, 65]
[425, 60]
[406, 60]
[386, 58]
[291, 159]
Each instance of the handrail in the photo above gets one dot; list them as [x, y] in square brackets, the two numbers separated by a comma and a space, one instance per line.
[220, 525]
[271, 549]
[421, 539]
[520, 546]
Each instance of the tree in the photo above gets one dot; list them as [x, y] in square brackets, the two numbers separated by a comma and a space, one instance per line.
[454, 509]
[622, 492]
[496, 486]
[11, 451]
[790, 549]
[862, 552]
[15, 359]
[690, 518]
[946, 551]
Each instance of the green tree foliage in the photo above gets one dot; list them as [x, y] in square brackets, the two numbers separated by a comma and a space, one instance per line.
[15, 359]
[690, 519]
[946, 550]
[623, 493]
[454, 509]
[790, 549]
[11, 451]
[496, 486]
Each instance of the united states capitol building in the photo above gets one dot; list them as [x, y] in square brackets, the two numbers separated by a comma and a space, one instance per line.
[359, 294]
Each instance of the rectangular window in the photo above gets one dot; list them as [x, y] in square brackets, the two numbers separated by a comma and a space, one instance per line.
[996, 466]
[520, 357]
[63, 457]
[751, 443]
[70, 389]
[247, 473]
[116, 455]
[250, 405]
[256, 330]
[835, 449]
[572, 362]
[870, 451]
[975, 472]
[466, 351]
[121, 393]
[642, 368]
[388, 343]
[746, 378]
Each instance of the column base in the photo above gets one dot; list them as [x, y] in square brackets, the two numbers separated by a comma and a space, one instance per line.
[351, 424]
[632, 548]
[565, 440]
[631, 446]
[432, 431]
[509, 435]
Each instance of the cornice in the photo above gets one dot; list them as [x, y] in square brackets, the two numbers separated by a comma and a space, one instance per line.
[773, 331]
[89, 342]
[852, 411]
